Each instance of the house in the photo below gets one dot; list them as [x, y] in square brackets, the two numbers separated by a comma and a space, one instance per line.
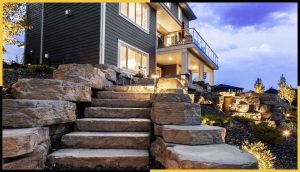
[272, 90]
[153, 38]
[227, 88]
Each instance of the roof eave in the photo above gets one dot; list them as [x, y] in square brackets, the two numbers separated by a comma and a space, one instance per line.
[188, 11]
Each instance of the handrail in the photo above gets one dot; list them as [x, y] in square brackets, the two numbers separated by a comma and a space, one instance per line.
[206, 48]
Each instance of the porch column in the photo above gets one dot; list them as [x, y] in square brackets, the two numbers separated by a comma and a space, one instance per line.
[211, 77]
[201, 70]
[185, 62]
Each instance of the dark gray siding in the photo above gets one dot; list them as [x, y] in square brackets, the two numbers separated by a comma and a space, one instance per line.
[33, 35]
[73, 39]
[119, 28]
[174, 11]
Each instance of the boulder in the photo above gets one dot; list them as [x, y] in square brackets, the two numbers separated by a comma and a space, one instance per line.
[18, 142]
[170, 97]
[60, 128]
[108, 85]
[277, 117]
[31, 161]
[177, 113]
[50, 89]
[134, 88]
[216, 156]
[110, 71]
[264, 108]
[171, 85]
[240, 107]
[85, 74]
[23, 113]
[191, 135]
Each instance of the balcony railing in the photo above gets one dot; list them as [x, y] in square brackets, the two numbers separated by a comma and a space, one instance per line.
[188, 36]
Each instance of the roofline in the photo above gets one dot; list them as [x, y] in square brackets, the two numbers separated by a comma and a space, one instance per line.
[188, 11]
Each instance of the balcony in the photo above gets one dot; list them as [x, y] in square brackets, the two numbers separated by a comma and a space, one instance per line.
[189, 36]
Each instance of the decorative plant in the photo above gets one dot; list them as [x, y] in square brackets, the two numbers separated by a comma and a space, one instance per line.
[259, 86]
[263, 155]
[264, 132]
[13, 23]
[215, 120]
[288, 93]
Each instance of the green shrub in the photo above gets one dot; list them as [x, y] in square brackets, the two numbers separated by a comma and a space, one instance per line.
[263, 155]
[242, 119]
[266, 133]
[215, 120]
[41, 69]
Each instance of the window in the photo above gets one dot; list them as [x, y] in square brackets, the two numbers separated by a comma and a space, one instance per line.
[137, 13]
[168, 4]
[179, 14]
[132, 58]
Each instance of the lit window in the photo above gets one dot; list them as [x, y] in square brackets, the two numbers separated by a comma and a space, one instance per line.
[137, 13]
[132, 58]
[179, 14]
[168, 4]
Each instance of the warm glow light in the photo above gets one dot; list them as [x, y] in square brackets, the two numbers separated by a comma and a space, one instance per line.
[131, 63]
[195, 67]
[154, 76]
[288, 115]
[28, 64]
[169, 41]
[170, 58]
[286, 133]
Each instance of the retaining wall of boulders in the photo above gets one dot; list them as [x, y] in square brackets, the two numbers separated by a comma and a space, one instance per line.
[254, 106]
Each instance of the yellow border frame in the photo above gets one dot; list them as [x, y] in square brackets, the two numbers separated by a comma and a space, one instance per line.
[98, 1]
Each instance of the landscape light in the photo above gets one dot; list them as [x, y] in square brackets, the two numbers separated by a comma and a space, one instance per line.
[154, 76]
[286, 133]
[288, 115]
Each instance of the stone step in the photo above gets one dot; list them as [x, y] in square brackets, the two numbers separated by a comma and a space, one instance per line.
[107, 140]
[101, 158]
[113, 124]
[191, 135]
[134, 88]
[216, 156]
[121, 103]
[106, 112]
[123, 95]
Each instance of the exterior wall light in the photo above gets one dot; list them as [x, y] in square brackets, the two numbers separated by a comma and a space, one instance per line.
[68, 13]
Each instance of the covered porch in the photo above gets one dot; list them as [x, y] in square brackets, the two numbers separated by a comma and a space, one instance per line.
[184, 61]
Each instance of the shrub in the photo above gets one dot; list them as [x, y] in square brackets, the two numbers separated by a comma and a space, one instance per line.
[266, 133]
[242, 119]
[215, 120]
[263, 155]
[41, 69]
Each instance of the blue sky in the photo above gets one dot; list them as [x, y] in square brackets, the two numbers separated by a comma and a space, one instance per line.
[251, 39]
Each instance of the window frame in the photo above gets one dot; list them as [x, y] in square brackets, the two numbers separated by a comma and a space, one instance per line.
[168, 4]
[120, 42]
[133, 22]
[179, 14]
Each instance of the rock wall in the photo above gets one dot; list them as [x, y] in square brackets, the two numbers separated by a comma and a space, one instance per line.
[257, 107]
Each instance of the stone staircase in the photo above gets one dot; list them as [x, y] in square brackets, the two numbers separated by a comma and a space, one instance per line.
[114, 133]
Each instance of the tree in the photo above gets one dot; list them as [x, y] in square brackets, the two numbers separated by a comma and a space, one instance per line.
[13, 23]
[259, 86]
[287, 93]
[281, 82]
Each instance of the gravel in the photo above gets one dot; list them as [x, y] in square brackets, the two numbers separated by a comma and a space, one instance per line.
[285, 151]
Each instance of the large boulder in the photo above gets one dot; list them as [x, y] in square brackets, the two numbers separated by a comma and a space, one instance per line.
[18, 142]
[216, 156]
[171, 85]
[191, 135]
[170, 97]
[240, 107]
[110, 71]
[23, 113]
[31, 161]
[85, 74]
[51, 89]
[177, 113]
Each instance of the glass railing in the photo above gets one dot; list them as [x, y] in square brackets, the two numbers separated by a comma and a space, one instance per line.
[188, 36]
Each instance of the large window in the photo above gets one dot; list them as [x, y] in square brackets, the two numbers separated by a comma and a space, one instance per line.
[133, 59]
[137, 13]
[168, 4]
[179, 14]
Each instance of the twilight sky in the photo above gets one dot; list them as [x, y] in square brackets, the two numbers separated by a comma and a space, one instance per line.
[251, 39]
